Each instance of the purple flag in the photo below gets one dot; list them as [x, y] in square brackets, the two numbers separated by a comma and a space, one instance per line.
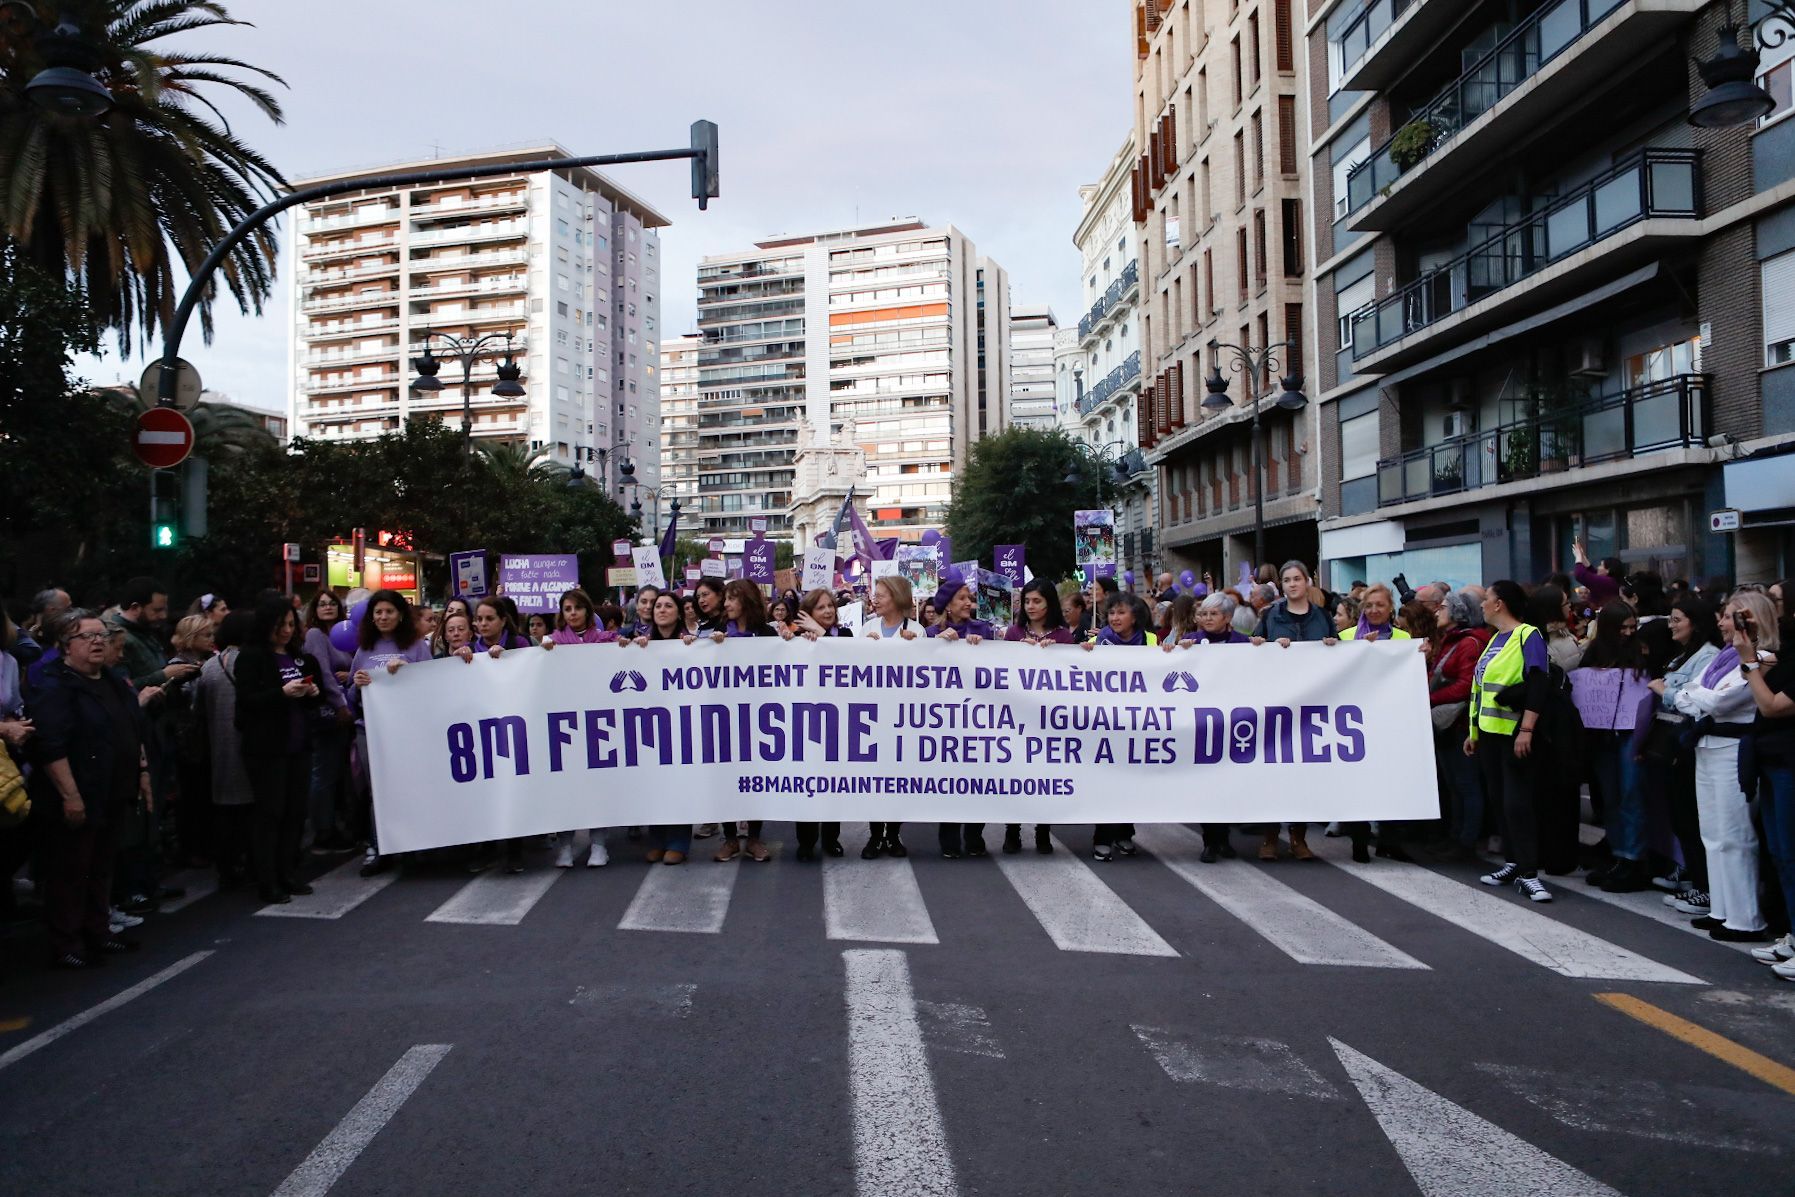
[860, 536]
[669, 541]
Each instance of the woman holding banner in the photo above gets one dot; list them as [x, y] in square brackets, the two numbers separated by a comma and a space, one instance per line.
[1126, 626]
[893, 604]
[1508, 692]
[817, 620]
[578, 624]
[956, 602]
[1290, 620]
[671, 842]
[1043, 622]
[494, 631]
[386, 639]
[744, 614]
[644, 612]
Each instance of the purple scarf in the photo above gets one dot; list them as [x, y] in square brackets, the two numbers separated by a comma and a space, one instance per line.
[1727, 660]
[1366, 627]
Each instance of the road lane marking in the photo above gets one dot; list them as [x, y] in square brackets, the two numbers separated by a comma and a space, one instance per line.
[1295, 923]
[1451, 1152]
[44, 1039]
[1731, 1119]
[340, 1148]
[692, 898]
[334, 894]
[875, 901]
[1648, 903]
[1513, 925]
[1772, 1073]
[900, 1146]
[496, 898]
[1235, 1062]
[1076, 909]
[953, 1027]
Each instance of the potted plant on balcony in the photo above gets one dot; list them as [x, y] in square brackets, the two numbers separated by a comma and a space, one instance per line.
[1413, 142]
[1520, 452]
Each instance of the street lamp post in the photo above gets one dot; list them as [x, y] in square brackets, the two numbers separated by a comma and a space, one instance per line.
[467, 351]
[702, 153]
[1254, 364]
[67, 85]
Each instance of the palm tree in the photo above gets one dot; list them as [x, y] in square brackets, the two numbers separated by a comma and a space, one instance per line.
[111, 203]
[511, 465]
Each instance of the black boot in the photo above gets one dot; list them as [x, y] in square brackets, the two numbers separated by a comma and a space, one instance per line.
[1044, 839]
[1012, 839]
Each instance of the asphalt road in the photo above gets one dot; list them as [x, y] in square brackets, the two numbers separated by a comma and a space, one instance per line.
[1023, 1025]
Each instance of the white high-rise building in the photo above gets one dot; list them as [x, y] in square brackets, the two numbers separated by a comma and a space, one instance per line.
[893, 335]
[1032, 334]
[566, 262]
[679, 424]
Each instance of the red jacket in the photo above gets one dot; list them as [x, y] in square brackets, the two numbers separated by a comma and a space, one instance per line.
[1455, 664]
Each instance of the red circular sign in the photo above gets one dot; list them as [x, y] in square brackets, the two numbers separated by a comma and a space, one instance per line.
[162, 439]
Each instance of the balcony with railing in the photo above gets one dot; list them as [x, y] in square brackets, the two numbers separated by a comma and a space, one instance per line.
[317, 251]
[472, 232]
[361, 299]
[1111, 385]
[1652, 185]
[1654, 417]
[1510, 93]
[1109, 303]
[1385, 37]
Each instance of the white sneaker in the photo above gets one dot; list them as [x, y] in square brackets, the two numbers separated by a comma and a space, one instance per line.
[1690, 901]
[1533, 889]
[599, 858]
[1785, 970]
[704, 831]
[564, 853]
[1501, 876]
[123, 921]
[1775, 953]
[1673, 882]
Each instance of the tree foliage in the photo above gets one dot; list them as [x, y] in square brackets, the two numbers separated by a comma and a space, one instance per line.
[1014, 491]
[113, 204]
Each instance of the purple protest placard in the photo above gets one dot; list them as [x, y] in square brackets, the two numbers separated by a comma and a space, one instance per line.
[1009, 558]
[536, 582]
[757, 563]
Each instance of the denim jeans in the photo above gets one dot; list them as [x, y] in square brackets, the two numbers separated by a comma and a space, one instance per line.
[1777, 809]
[1616, 774]
[673, 837]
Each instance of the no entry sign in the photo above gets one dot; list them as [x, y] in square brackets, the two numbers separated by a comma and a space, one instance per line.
[162, 439]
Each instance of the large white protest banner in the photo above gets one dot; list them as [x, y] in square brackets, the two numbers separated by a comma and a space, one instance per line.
[919, 731]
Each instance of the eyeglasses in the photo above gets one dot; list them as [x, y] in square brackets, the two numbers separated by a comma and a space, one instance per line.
[92, 637]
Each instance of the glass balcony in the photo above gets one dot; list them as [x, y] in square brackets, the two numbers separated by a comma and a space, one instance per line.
[1651, 183]
[1671, 413]
[1366, 29]
[1515, 59]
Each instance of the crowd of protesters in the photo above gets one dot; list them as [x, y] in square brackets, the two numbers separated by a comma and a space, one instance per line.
[234, 740]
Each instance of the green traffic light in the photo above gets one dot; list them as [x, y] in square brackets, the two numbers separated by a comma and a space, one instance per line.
[162, 536]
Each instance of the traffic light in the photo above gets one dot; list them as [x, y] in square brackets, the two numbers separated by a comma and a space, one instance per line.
[165, 509]
[704, 163]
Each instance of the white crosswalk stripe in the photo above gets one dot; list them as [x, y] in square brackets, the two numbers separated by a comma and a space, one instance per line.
[1076, 909]
[334, 894]
[496, 898]
[874, 901]
[1528, 933]
[1301, 927]
[689, 898]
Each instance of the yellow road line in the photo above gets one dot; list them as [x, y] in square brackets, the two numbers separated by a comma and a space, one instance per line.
[14, 1024]
[1719, 1046]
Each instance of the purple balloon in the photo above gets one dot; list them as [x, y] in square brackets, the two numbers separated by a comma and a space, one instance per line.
[930, 536]
[1201, 591]
[342, 636]
[1187, 579]
[356, 612]
[1128, 577]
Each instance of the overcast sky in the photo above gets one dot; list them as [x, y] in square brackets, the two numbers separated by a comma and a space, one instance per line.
[987, 114]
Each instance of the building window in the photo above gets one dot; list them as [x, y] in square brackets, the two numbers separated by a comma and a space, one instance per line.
[1778, 78]
[1286, 47]
[1779, 309]
[1287, 134]
[1358, 446]
[1343, 169]
[1351, 301]
[1293, 237]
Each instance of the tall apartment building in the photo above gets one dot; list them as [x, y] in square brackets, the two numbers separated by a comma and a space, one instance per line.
[1106, 377]
[891, 336]
[567, 262]
[1032, 330]
[1549, 308]
[1217, 189]
[679, 425]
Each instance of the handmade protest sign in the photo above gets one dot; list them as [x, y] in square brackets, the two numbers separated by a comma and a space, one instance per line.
[535, 583]
[931, 731]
